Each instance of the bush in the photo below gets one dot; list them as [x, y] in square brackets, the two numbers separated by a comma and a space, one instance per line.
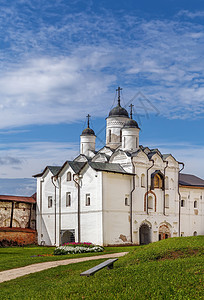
[74, 248]
[8, 243]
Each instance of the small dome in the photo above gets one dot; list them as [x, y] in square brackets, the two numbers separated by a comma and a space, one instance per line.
[131, 124]
[118, 111]
[88, 131]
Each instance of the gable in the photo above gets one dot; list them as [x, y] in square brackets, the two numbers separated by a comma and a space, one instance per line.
[119, 157]
[106, 150]
[100, 157]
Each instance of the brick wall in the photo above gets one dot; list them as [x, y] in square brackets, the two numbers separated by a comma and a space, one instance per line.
[23, 236]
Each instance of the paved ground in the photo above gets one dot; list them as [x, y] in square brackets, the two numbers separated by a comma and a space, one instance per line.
[14, 273]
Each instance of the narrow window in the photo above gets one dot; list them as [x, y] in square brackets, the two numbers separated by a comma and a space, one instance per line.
[195, 204]
[49, 201]
[127, 202]
[68, 199]
[120, 135]
[69, 176]
[88, 200]
[150, 202]
[136, 142]
[124, 142]
[109, 136]
[182, 203]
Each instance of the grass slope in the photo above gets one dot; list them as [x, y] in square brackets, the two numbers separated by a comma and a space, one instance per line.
[169, 269]
[16, 257]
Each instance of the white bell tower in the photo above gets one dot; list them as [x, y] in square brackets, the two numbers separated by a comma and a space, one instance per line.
[130, 134]
[87, 140]
[118, 116]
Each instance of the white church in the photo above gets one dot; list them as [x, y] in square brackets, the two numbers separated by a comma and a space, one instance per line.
[123, 193]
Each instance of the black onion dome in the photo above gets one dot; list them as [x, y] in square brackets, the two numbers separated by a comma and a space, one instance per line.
[131, 124]
[118, 111]
[88, 131]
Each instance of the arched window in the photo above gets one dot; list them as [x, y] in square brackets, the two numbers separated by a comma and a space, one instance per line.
[195, 233]
[157, 181]
[195, 204]
[143, 180]
[182, 203]
[166, 201]
[166, 183]
[109, 136]
[150, 202]
[69, 176]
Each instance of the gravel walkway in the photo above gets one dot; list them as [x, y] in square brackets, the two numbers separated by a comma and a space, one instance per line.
[18, 272]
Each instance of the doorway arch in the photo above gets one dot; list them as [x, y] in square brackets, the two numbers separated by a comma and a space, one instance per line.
[145, 234]
[67, 236]
[164, 232]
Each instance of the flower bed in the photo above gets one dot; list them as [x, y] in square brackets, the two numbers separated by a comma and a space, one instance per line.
[74, 248]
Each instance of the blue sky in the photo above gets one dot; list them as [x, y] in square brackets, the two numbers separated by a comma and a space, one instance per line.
[61, 60]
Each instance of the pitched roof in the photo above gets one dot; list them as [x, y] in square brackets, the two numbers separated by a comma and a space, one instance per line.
[17, 199]
[190, 180]
[53, 169]
[76, 165]
[108, 167]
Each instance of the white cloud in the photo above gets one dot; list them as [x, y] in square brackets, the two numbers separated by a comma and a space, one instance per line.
[21, 160]
[190, 14]
[71, 66]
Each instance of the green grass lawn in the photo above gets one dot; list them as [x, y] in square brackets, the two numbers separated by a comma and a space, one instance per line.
[169, 269]
[22, 256]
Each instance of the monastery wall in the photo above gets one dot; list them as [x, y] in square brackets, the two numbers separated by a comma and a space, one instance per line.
[192, 211]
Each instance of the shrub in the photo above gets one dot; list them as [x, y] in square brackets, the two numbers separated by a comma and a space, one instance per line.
[8, 243]
[74, 248]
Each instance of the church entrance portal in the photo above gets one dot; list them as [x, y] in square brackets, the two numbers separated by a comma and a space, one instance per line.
[145, 234]
[164, 232]
[67, 236]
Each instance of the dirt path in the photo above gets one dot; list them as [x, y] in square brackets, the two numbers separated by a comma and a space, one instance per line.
[18, 272]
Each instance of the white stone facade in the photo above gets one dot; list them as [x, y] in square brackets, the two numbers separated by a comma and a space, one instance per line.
[117, 195]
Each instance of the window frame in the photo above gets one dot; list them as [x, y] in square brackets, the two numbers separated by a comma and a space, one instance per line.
[69, 176]
[50, 202]
[127, 200]
[68, 199]
[88, 200]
